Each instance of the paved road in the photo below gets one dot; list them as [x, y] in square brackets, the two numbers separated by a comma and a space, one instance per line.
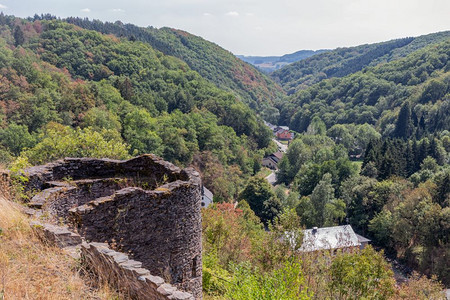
[282, 147]
[271, 178]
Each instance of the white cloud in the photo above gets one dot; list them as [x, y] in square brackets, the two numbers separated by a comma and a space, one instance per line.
[250, 14]
[86, 10]
[117, 10]
[232, 14]
[207, 14]
[3, 6]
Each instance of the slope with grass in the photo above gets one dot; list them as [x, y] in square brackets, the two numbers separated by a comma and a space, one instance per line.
[32, 270]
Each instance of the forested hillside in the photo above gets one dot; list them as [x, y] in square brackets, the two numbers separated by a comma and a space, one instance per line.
[394, 118]
[212, 62]
[376, 94]
[344, 61]
[67, 91]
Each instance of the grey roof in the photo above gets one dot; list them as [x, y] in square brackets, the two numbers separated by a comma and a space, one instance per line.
[278, 154]
[207, 193]
[274, 159]
[271, 126]
[329, 238]
[362, 239]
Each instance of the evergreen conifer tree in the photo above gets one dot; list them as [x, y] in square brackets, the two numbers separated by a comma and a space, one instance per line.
[404, 124]
[19, 38]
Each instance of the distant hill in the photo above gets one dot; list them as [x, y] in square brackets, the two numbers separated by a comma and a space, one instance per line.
[211, 61]
[271, 63]
[344, 61]
[376, 94]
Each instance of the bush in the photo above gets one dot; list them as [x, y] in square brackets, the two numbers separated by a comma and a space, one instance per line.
[60, 141]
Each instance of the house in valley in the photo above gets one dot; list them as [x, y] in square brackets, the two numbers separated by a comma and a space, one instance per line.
[271, 126]
[271, 161]
[331, 238]
[363, 241]
[284, 135]
[207, 197]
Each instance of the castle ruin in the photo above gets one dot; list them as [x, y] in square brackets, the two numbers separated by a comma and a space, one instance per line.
[144, 208]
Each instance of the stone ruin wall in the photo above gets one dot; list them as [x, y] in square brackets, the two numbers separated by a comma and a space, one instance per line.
[144, 207]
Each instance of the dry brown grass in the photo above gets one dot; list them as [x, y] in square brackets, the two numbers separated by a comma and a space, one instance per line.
[32, 270]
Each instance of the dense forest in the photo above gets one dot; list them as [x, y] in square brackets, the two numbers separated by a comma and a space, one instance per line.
[65, 91]
[212, 62]
[394, 120]
[344, 61]
[376, 94]
[372, 146]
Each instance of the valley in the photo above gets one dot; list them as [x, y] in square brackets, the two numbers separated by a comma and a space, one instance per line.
[360, 151]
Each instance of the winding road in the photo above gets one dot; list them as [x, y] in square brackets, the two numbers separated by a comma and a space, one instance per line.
[282, 147]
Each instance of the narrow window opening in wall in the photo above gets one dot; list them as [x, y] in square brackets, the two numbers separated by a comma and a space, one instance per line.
[194, 266]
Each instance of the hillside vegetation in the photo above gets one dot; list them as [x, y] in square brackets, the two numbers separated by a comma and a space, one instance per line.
[395, 119]
[68, 91]
[211, 61]
[71, 91]
[344, 61]
[375, 95]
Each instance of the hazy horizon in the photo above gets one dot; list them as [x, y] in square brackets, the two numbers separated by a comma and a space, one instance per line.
[260, 28]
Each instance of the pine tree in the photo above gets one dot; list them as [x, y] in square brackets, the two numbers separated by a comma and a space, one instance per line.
[421, 127]
[423, 152]
[19, 38]
[442, 195]
[404, 124]
[387, 167]
[399, 151]
[125, 87]
[372, 153]
[415, 150]
[410, 162]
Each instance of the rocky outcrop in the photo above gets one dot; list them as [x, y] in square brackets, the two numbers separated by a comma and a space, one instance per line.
[145, 207]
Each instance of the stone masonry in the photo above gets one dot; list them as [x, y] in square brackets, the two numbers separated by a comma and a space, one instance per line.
[144, 207]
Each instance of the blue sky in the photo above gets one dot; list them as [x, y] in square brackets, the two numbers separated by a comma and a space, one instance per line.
[262, 27]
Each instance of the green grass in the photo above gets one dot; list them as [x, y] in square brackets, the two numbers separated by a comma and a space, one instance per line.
[264, 172]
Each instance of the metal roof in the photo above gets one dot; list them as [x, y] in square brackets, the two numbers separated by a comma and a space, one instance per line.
[272, 158]
[278, 154]
[207, 193]
[362, 239]
[327, 238]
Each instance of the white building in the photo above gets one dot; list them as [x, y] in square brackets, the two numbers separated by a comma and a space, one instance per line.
[330, 238]
[207, 197]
